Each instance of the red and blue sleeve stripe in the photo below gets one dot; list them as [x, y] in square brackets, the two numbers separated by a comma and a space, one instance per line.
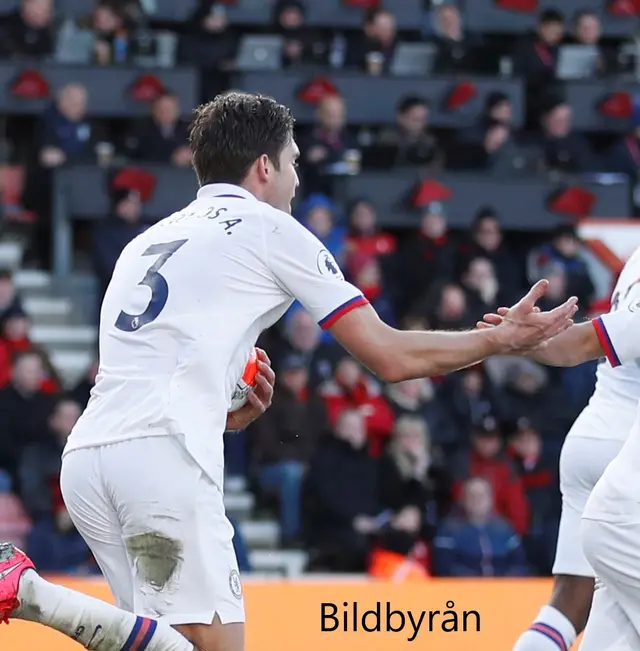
[141, 635]
[339, 312]
[605, 342]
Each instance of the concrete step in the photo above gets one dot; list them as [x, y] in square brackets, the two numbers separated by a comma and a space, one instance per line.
[239, 505]
[235, 484]
[38, 306]
[49, 311]
[31, 279]
[70, 364]
[290, 563]
[10, 254]
[64, 336]
[260, 534]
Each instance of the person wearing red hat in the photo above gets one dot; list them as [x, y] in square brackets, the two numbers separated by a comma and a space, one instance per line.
[186, 304]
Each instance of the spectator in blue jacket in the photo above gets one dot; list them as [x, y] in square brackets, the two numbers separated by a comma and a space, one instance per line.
[318, 214]
[565, 249]
[112, 234]
[477, 542]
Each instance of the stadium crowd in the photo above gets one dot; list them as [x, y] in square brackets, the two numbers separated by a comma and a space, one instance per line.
[458, 473]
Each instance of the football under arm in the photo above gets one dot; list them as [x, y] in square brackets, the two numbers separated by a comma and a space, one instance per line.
[396, 355]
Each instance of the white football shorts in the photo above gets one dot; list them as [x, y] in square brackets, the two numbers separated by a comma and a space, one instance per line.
[610, 536]
[157, 527]
[582, 462]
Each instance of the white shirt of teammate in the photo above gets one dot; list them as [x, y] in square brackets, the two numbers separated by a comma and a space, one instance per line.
[611, 411]
[187, 301]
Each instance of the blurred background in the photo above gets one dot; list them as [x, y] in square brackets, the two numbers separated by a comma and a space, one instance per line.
[452, 154]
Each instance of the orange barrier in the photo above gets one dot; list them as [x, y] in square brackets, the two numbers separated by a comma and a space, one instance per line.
[287, 615]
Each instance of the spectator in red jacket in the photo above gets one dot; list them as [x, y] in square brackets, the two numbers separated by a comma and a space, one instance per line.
[352, 388]
[364, 235]
[538, 467]
[487, 459]
[15, 338]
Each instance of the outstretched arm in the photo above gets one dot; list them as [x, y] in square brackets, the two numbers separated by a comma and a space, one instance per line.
[396, 355]
[306, 271]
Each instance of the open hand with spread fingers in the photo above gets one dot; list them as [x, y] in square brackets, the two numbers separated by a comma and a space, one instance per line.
[523, 327]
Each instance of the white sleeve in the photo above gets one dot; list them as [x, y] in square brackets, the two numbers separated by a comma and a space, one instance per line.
[306, 270]
[618, 333]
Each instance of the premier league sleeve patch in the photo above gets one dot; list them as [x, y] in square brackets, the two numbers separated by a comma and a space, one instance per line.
[327, 265]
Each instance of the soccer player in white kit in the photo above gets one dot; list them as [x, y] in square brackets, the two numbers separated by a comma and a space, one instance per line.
[142, 472]
[594, 441]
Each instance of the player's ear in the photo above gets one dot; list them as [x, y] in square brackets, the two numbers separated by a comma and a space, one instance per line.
[263, 167]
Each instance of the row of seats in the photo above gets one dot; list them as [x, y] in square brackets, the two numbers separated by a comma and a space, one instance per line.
[489, 16]
[454, 103]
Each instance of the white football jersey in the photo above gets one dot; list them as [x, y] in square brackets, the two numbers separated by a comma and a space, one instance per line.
[611, 411]
[186, 303]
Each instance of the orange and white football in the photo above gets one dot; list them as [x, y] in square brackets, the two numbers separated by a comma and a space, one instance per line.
[247, 382]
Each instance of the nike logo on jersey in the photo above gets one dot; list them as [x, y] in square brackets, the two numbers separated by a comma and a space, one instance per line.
[5, 573]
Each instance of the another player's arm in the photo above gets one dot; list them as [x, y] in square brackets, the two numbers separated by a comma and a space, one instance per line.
[309, 273]
[613, 335]
[578, 344]
[395, 355]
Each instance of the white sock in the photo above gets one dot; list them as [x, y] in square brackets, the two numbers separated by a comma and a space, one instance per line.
[91, 622]
[550, 631]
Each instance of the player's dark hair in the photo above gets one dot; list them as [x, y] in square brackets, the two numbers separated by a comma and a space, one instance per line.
[231, 132]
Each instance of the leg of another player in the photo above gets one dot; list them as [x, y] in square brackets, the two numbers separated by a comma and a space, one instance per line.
[215, 636]
[609, 628]
[563, 619]
[94, 624]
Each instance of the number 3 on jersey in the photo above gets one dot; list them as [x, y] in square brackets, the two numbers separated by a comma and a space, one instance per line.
[157, 283]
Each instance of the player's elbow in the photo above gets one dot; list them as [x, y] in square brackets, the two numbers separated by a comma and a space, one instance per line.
[388, 370]
[394, 365]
